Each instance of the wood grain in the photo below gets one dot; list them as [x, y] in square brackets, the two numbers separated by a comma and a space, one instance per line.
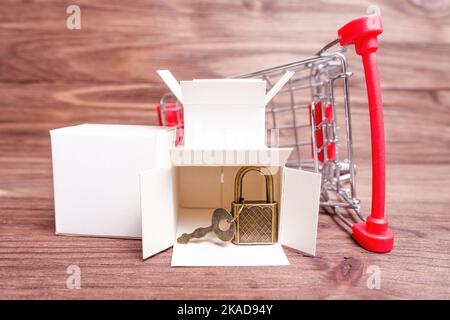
[105, 73]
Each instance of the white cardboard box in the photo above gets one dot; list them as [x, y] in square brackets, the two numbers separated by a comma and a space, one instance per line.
[181, 198]
[96, 171]
[225, 113]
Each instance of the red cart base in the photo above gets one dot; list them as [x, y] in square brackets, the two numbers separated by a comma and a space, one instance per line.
[373, 235]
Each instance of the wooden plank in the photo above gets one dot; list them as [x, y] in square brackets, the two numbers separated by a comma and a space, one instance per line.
[126, 43]
[33, 260]
[29, 111]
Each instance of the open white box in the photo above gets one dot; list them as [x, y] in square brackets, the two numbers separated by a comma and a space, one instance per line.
[182, 195]
[229, 113]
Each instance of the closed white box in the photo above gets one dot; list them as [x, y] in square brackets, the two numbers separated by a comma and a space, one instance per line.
[223, 113]
[96, 171]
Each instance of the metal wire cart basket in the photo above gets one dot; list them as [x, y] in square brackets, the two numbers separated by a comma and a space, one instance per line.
[305, 116]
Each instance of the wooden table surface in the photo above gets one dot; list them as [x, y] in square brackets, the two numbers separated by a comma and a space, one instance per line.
[105, 73]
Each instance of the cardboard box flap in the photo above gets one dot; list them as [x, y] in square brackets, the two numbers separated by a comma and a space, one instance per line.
[172, 83]
[277, 86]
[300, 210]
[158, 209]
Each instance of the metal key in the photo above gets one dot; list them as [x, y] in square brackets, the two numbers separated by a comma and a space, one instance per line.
[222, 225]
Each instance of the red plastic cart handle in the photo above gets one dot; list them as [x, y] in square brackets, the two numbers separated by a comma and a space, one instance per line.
[373, 234]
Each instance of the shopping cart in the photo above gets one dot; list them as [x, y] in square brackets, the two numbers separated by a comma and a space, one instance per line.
[305, 116]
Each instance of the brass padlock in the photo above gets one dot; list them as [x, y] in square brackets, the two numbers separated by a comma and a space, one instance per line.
[256, 221]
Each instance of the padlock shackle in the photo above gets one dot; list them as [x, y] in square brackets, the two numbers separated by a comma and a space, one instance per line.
[240, 177]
